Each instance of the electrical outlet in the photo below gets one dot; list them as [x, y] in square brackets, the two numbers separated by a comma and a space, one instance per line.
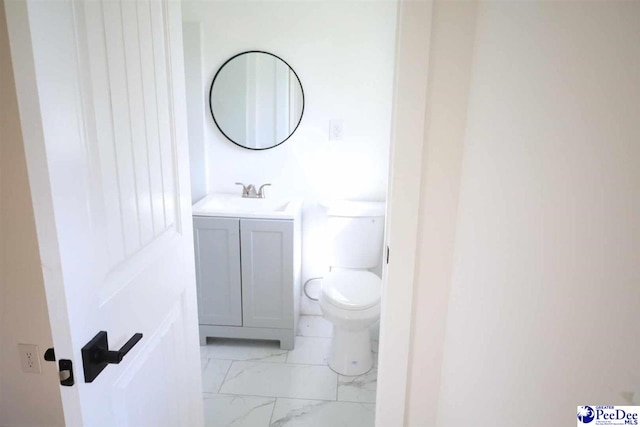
[336, 130]
[29, 358]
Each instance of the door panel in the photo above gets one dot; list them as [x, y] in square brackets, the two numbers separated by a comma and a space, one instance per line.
[267, 273]
[101, 94]
[217, 248]
[133, 406]
[128, 100]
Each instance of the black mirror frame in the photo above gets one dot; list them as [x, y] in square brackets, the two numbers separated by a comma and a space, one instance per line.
[214, 117]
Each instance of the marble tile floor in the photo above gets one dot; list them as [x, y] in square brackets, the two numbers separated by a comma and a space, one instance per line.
[256, 384]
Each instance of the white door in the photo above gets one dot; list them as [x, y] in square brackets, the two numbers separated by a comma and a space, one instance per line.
[101, 94]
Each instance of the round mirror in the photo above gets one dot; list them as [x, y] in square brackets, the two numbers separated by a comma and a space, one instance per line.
[256, 100]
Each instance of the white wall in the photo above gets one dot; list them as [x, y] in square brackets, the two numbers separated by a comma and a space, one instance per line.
[196, 110]
[543, 300]
[343, 52]
[25, 399]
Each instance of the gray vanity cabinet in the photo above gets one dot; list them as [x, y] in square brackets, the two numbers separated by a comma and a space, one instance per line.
[267, 262]
[247, 274]
[217, 250]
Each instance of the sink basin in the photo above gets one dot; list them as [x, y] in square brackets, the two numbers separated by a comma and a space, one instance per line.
[231, 205]
[244, 205]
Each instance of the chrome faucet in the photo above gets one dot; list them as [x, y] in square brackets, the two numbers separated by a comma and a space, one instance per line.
[249, 191]
[261, 193]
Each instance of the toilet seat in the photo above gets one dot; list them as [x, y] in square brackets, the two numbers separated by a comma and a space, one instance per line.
[352, 289]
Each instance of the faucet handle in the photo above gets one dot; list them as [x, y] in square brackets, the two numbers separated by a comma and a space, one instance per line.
[245, 189]
[261, 191]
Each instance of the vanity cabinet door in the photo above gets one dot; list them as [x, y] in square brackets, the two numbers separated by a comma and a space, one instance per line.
[267, 273]
[217, 248]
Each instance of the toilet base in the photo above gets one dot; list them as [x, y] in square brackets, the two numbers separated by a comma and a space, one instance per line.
[350, 353]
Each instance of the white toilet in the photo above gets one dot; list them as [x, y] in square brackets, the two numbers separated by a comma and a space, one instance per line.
[350, 294]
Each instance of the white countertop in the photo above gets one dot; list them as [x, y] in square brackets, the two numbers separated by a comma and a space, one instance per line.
[235, 206]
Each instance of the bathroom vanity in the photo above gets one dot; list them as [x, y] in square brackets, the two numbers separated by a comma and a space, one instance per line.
[247, 254]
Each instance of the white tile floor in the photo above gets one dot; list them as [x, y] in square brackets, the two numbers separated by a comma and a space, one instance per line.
[255, 384]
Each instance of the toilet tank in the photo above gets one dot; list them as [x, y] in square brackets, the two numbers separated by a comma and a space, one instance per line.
[355, 233]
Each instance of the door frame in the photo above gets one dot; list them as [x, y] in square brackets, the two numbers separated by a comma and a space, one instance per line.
[413, 34]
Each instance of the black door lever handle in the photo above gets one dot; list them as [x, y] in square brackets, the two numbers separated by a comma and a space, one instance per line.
[117, 356]
[96, 354]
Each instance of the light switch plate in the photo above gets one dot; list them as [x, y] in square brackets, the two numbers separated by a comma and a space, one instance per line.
[29, 358]
[336, 130]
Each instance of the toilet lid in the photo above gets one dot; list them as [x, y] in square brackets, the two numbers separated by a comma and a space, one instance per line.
[352, 289]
